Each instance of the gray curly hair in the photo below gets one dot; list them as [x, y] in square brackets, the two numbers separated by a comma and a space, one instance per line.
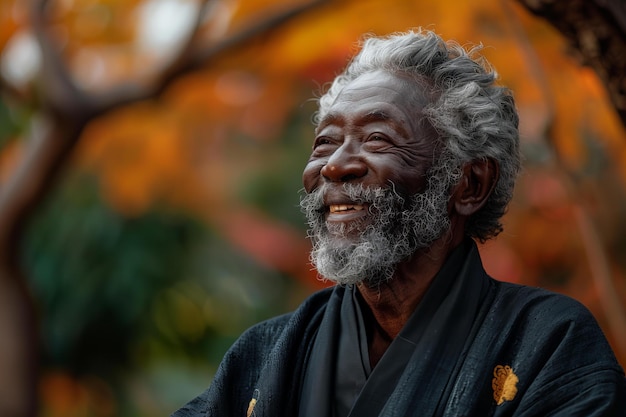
[474, 118]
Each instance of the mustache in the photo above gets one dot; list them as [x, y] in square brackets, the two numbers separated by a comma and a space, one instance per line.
[356, 193]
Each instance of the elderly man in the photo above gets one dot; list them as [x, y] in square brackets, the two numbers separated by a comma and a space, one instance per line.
[415, 158]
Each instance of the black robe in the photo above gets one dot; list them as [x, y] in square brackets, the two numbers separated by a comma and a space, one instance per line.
[524, 352]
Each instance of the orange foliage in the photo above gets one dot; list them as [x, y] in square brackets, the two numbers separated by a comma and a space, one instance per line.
[9, 157]
[66, 396]
[176, 150]
[269, 241]
[12, 16]
[142, 157]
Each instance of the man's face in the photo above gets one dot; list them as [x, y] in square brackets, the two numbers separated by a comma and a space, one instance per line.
[372, 135]
[370, 203]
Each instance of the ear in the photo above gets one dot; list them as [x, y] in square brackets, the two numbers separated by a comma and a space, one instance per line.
[476, 185]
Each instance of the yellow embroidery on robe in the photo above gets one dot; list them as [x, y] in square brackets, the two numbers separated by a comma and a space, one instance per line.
[251, 407]
[252, 403]
[504, 384]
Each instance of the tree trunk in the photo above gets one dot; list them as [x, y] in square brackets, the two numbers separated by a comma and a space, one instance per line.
[596, 30]
[69, 110]
[18, 349]
[18, 322]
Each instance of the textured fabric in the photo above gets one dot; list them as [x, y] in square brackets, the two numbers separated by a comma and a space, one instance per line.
[337, 372]
[316, 388]
[353, 361]
[530, 353]
[431, 343]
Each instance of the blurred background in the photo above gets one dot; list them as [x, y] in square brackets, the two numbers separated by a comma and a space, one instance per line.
[150, 169]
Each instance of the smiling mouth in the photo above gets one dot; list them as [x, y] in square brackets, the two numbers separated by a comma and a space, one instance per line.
[344, 208]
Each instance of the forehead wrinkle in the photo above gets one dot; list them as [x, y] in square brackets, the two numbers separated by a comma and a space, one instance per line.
[376, 116]
[330, 118]
[373, 116]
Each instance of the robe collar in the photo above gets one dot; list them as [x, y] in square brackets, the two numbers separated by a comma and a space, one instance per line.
[422, 360]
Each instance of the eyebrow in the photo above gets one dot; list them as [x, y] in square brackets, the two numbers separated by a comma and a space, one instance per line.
[370, 117]
[376, 116]
[329, 119]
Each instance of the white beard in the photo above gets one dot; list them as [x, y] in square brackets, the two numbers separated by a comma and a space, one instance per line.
[395, 231]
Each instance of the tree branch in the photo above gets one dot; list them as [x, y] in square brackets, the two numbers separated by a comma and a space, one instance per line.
[601, 274]
[597, 30]
[193, 57]
[598, 263]
[68, 109]
[59, 93]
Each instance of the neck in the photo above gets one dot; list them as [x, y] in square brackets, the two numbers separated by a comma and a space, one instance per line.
[390, 304]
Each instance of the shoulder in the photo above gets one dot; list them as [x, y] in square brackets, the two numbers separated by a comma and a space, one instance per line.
[509, 301]
[283, 333]
[556, 348]
[531, 324]
[271, 329]
[535, 303]
[538, 315]
[551, 351]
[274, 346]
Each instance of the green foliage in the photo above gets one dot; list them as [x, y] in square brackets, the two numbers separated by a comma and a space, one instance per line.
[13, 120]
[142, 300]
[95, 273]
[274, 187]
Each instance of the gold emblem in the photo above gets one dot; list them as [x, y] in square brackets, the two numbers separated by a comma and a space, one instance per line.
[504, 384]
[252, 403]
[251, 407]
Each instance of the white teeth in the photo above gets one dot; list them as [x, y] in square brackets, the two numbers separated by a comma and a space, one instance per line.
[338, 208]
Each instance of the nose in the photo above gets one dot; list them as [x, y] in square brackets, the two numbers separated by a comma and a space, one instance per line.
[344, 165]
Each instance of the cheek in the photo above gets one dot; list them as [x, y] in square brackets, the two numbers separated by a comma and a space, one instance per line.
[413, 173]
[408, 181]
[407, 175]
[415, 185]
[311, 176]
